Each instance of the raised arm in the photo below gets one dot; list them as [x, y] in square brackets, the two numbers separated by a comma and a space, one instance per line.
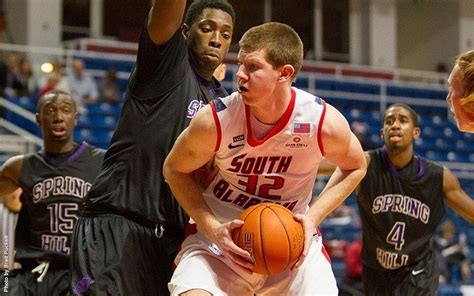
[455, 197]
[164, 19]
[193, 149]
[10, 190]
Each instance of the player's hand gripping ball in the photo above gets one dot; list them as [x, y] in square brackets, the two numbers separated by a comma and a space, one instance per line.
[271, 235]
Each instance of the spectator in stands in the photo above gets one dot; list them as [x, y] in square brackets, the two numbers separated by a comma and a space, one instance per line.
[13, 71]
[401, 201]
[47, 189]
[452, 253]
[3, 74]
[461, 91]
[109, 89]
[83, 86]
[27, 84]
[352, 281]
[55, 81]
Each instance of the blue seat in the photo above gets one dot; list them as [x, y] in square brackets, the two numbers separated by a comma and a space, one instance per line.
[447, 290]
[457, 157]
[436, 155]
[339, 268]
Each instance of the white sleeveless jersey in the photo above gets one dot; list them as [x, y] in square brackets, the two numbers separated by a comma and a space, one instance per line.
[280, 168]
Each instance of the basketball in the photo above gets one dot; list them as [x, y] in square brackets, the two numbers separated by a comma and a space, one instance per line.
[272, 236]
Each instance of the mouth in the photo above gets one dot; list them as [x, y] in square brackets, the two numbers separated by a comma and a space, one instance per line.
[58, 131]
[394, 136]
[242, 89]
[211, 57]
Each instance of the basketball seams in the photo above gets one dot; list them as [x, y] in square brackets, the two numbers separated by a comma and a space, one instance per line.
[243, 219]
[260, 230]
[272, 254]
[287, 237]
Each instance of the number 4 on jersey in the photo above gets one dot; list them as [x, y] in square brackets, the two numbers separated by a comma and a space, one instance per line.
[396, 235]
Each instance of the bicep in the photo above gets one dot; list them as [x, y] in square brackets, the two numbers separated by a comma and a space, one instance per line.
[455, 196]
[10, 175]
[195, 145]
[341, 146]
[11, 170]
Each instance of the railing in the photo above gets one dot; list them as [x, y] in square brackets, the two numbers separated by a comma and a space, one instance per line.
[29, 137]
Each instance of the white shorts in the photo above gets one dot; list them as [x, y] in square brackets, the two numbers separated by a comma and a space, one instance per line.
[201, 265]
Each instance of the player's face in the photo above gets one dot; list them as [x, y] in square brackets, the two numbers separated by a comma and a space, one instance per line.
[57, 118]
[398, 129]
[256, 77]
[209, 39]
[464, 118]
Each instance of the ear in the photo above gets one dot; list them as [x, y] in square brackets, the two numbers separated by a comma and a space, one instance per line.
[381, 134]
[185, 30]
[38, 122]
[416, 133]
[75, 119]
[286, 72]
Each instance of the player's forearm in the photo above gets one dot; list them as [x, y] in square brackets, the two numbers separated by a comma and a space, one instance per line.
[187, 191]
[338, 188]
[164, 19]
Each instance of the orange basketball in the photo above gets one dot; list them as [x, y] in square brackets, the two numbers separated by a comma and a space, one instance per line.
[271, 235]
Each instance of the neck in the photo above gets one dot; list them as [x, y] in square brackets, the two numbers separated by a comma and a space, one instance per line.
[273, 107]
[58, 147]
[200, 69]
[400, 158]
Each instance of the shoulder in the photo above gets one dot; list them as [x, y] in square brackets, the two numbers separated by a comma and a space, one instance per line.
[94, 151]
[12, 166]
[335, 125]
[221, 104]
[304, 96]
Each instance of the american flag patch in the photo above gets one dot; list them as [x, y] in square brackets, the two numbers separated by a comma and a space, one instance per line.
[301, 128]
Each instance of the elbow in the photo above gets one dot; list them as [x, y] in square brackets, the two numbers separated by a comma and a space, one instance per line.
[167, 171]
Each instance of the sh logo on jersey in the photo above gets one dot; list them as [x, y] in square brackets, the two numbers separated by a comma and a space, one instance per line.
[237, 141]
[193, 108]
[296, 142]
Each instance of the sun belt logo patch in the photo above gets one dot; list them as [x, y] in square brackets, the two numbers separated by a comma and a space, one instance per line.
[193, 108]
[296, 142]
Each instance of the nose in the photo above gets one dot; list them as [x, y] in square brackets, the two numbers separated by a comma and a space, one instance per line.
[396, 124]
[215, 40]
[241, 74]
[448, 99]
[58, 116]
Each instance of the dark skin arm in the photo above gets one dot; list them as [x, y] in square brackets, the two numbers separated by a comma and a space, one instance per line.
[10, 189]
[456, 198]
[164, 19]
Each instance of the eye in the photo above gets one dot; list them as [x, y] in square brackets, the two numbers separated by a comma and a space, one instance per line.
[252, 67]
[226, 36]
[206, 29]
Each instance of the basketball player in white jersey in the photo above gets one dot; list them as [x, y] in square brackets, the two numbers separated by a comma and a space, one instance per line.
[461, 91]
[267, 141]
